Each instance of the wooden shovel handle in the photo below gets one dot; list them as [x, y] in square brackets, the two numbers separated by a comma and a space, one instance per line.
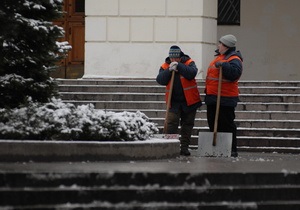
[169, 103]
[217, 107]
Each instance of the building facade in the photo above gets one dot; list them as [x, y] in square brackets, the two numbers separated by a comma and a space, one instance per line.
[268, 37]
[131, 38]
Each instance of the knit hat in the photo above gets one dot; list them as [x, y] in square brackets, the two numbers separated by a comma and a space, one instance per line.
[228, 40]
[174, 52]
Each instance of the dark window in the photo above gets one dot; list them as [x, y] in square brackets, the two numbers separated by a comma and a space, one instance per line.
[229, 12]
[79, 5]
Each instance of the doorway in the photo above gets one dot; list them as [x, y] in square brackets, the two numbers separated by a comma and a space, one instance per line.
[72, 67]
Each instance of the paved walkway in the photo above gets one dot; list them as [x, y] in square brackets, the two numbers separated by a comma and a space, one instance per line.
[245, 163]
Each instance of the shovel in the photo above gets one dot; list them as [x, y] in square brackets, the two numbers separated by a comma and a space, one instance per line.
[165, 130]
[215, 144]
[169, 103]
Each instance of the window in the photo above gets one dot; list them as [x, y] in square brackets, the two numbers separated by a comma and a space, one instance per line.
[79, 6]
[229, 12]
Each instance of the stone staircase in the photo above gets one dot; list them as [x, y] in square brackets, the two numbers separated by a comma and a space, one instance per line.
[149, 191]
[268, 116]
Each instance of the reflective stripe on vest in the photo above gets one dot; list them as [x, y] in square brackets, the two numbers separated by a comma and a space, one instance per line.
[190, 87]
[229, 88]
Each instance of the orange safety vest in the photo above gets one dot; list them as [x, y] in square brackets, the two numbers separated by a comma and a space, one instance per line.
[229, 88]
[190, 87]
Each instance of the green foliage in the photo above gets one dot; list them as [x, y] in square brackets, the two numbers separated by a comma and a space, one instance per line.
[29, 50]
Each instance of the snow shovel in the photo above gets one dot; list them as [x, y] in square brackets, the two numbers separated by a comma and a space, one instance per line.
[214, 144]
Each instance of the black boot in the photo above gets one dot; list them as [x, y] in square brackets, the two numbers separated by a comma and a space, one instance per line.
[234, 154]
[185, 152]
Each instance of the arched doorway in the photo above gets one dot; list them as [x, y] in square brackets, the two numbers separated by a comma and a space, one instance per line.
[73, 22]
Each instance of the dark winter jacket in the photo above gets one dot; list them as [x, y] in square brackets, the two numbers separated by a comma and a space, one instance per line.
[232, 71]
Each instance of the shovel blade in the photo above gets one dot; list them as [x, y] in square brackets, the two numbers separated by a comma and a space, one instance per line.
[221, 149]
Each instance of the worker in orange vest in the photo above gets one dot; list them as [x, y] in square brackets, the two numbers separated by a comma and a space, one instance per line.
[231, 62]
[185, 98]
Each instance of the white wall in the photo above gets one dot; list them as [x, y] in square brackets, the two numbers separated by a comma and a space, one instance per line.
[131, 38]
[268, 38]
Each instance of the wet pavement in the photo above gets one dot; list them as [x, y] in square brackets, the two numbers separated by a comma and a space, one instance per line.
[245, 163]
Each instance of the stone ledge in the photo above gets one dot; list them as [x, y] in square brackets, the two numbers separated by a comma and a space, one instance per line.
[50, 151]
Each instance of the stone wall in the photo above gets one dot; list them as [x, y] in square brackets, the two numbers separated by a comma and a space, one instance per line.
[131, 38]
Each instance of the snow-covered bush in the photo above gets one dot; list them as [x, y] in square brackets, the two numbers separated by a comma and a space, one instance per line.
[64, 121]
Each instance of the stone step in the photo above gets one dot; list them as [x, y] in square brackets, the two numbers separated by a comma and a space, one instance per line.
[268, 115]
[268, 109]
[125, 96]
[272, 142]
[261, 144]
[266, 132]
[75, 194]
[272, 83]
[275, 205]
[264, 205]
[161, 89]
[149, 81]
[107, 81]
[255, 132]
[122, 105]
[248, 123]
[123, 179]
[269, 90]
[227, 190]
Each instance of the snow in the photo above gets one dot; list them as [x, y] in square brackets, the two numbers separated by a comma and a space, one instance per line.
[261, 160]
[56, 120]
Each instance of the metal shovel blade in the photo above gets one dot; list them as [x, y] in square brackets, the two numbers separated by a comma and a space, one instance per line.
[221, 149]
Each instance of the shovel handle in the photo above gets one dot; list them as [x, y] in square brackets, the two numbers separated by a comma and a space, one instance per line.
[217, 107]
[169, 103]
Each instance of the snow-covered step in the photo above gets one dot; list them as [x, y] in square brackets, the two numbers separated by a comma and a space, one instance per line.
[148, 190]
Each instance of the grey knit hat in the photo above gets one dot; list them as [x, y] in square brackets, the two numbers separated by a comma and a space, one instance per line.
[228, 40]
[174, 52]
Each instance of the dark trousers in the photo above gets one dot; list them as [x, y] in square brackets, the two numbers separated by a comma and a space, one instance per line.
[225, 122]
[186, 121]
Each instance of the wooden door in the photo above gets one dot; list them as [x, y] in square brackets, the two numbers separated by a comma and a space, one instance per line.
[73, 22]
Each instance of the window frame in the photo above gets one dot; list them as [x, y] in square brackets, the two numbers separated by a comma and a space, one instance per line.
[229, 12]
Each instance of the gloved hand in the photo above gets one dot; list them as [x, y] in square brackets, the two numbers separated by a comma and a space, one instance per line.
[173, 66]
[218, 64]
